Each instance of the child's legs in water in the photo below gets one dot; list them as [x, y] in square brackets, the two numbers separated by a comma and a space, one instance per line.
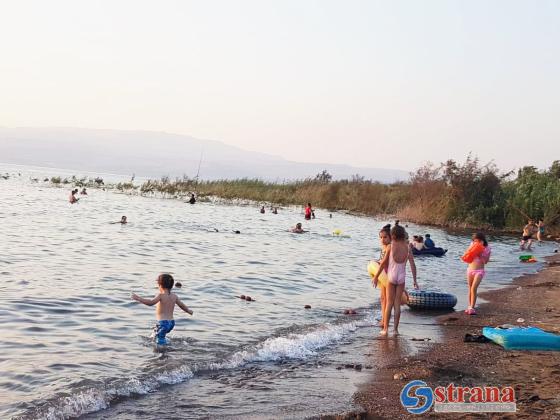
[398, 300]
[383, 299]
[162, 329]
[391, 294]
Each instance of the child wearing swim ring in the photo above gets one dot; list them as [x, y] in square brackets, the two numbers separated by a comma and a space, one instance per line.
[475, 270]
[385, 241]
[166, 302]
[394, 261]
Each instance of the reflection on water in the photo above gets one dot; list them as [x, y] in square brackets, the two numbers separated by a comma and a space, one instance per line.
[74, 343]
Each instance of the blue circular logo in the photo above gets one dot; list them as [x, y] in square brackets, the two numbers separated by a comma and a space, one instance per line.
[417, 397]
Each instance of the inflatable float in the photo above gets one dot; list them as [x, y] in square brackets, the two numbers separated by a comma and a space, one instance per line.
[423, 299]
[527, 259]
[372, 268]
[520, 338]
[475, 250]
[436, 251]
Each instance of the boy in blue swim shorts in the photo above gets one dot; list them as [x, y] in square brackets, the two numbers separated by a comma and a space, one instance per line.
[165, 301]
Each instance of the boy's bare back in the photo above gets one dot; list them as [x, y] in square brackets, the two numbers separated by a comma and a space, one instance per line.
[165, 303]
[165, 306]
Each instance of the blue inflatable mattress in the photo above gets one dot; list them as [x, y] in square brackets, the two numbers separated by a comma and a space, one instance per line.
[520, 338]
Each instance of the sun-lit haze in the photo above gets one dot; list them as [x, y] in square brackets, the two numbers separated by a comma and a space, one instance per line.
[366, 83]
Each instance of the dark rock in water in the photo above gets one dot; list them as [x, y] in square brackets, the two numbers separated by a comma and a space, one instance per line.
[307, 306]
[178, 285]
[338, 367]
[349, 366]
[358, 366]
[237, 231]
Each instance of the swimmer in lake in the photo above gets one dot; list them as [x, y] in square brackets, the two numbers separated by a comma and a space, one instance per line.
[84, 191]
[123, 221]
[263, 211]
[298, 229]
[192, 200]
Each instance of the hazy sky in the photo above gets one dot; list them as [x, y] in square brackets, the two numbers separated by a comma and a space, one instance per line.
[371, 83]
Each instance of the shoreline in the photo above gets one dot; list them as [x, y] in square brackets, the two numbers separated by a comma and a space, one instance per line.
[535, 375]
[250, 191]
[551, 236]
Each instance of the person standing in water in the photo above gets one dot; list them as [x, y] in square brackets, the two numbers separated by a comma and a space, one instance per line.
[527, 238]
[166, 302]
[394, 261]
[308, 212]
[540, 233]
[385, 241]
[192, 199]
[73, 199]
[263, 211]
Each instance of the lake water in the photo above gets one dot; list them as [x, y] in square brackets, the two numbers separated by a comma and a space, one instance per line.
[75, 344]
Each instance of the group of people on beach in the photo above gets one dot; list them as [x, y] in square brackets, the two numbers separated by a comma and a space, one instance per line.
[396, 253]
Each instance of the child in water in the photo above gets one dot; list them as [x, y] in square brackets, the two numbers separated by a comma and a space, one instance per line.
[166, 302]
[475, 271]
[385, 240]
[394, 261]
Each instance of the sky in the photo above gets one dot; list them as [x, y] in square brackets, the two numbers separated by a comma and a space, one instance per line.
[368, 83]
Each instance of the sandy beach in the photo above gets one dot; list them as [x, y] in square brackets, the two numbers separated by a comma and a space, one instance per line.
[534, 375]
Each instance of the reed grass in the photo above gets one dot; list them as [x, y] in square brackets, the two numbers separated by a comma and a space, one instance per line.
[459, 195]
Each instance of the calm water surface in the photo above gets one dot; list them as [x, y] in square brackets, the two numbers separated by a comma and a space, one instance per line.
[74, 343]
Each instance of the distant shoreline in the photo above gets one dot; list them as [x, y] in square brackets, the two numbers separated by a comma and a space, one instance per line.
[481, 200]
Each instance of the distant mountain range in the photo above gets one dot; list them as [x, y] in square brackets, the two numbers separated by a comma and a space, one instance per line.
[154, 154]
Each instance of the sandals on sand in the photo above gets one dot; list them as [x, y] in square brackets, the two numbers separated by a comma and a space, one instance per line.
[475, 338]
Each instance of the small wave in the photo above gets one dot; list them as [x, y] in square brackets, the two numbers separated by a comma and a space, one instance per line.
[95, 398]
[98, 397]
[292, 346]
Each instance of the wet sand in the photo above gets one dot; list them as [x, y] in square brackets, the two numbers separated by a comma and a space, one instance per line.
[534, 375]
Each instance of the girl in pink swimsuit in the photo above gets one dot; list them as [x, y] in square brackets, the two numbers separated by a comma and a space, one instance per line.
[394, 260]
[475, 271]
